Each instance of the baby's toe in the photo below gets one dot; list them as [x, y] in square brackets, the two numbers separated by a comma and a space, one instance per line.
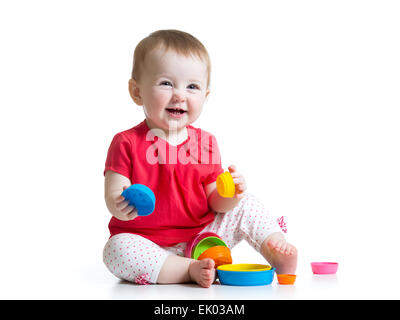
[281, 246]
[207, 278]
[272, 244]
[207, 264]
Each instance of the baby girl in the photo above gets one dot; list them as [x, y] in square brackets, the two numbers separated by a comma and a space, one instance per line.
[179, 163]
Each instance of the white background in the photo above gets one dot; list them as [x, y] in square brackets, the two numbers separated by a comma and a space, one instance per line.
[305, 101]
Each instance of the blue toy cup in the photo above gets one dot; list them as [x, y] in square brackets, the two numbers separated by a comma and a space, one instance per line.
[245, 274]
[141, 197]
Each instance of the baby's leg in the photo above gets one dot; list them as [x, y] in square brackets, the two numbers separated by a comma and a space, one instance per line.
[251, 220]
[136, 259]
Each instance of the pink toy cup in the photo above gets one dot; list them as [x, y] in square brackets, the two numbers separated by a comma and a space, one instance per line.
[324, 267]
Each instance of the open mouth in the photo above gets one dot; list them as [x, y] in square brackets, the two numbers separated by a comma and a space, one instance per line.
[176, 111]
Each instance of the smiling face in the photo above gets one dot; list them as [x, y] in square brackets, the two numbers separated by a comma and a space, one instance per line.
[172, 89]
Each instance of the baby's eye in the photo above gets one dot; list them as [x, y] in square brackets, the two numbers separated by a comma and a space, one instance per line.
[166, 83]
[193, 86]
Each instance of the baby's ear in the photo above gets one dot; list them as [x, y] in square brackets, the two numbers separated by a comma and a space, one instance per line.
[207, 93]
[134, 92]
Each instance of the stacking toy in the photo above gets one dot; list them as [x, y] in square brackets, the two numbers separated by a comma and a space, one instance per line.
[286, 278]
[220, 254]
[324, 267]
[225, 185]
[141, 197]
[192, 243]
[205, 244]
[245, 274]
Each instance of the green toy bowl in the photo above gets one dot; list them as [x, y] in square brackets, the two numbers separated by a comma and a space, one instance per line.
[205, 244]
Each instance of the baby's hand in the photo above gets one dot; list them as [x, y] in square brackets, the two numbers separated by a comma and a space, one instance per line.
[240, 183]
[123, 211]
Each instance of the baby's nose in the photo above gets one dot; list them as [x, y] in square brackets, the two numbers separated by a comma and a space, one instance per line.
[178, 96]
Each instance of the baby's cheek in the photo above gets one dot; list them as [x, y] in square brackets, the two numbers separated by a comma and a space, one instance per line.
[196, 103]
[160, 98]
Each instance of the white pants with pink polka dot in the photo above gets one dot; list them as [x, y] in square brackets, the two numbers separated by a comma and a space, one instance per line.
[134, 258]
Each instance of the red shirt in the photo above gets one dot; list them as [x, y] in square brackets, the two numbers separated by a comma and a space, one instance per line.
[176, 174]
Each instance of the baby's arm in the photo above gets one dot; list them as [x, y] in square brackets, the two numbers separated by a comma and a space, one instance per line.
[218, 203]
[114, 184]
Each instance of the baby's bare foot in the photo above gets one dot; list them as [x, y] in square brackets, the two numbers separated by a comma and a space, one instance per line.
[280, 254]
[202, 272]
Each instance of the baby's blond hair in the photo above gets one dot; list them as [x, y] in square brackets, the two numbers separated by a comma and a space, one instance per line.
[179, 41]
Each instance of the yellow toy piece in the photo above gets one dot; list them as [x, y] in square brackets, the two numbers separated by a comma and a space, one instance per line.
[225, 185]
